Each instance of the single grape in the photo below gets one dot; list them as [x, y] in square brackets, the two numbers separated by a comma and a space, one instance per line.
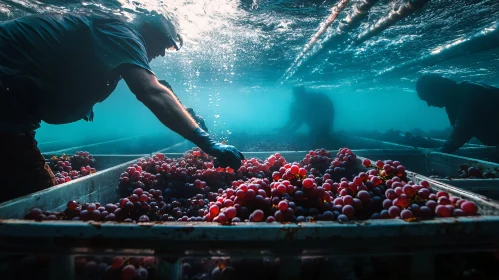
[431, 204]
[443, 200]
[230, 212]
[128, 272]
[363, 196]
[406, 214]
[342, 218]
[258, 215]
[283, 206]
[442, 193]
[143, 219]
[387, 203]
[470, 208]
[349, 211]
[71, 205]
[347, 200]
[394, 211]
[270, 219]
[385, 215]
[443, 211]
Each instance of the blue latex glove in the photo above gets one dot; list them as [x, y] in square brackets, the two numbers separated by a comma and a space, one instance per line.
[226, 155]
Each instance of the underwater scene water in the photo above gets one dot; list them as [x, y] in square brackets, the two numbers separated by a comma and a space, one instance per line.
[241, 58]
[278, 79]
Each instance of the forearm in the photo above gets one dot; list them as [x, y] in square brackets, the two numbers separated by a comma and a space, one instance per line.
[457, 139]
[168, 109]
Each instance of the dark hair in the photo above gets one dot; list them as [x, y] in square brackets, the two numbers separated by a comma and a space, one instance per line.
[169, 27]
[430, 84]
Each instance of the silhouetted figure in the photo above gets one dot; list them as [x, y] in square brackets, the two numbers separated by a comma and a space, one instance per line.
[316, 111]
[472, 109]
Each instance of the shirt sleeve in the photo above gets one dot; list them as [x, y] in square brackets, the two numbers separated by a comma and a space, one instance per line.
[117, 43]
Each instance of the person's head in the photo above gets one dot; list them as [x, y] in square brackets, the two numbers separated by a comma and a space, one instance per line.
[159, 34]
[298, 91]
[435, 89]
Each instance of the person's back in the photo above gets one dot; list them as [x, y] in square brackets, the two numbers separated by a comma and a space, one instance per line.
[318, 111]
[478, 104]
[55, 67]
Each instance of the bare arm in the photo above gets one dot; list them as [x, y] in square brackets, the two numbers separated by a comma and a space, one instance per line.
[159, 99]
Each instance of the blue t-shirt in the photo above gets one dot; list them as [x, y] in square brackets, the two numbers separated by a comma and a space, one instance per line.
[56, 67]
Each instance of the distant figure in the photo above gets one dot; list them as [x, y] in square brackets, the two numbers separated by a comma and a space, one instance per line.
[56, 67]
[472, 109]
[314, 110]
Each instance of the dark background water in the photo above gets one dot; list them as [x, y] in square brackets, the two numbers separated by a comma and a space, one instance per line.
[236, 53]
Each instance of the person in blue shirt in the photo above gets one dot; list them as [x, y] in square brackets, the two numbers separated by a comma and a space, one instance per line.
[471, 109]
[56, 67]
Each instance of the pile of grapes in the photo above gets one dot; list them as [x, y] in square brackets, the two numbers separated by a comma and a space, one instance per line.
[140, 268]
[318, 188]
[67, 168]
[469, 172]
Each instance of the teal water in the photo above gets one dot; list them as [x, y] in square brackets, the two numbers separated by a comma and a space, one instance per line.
[232, 69]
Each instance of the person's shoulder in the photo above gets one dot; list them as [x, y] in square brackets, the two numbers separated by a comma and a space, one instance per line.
[477, 87]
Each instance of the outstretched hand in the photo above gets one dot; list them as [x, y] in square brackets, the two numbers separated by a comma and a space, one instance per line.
[226, 155]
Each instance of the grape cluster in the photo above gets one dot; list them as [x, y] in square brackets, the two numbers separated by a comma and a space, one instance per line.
[317, 161]
[271, 190]
[471, 172]
[117, 268]
[67, 168]
[345, 164]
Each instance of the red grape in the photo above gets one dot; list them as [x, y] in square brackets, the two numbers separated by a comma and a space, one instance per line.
[469, 208]
[338, 201]
[431, 204]
[425, 184]
[442, 211]
[348, 200]
[424, 193]
[308, 183]
[283, 206]
[394, 211]
[128, 272]
[443, 200]
[270, 219]
[363, 196]
[458, 213]
[71, 205]
[387, 203]
[406, 214]
[348, 210]
[442, 193]
[409, 190]
[258, 215]
[230, 212]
